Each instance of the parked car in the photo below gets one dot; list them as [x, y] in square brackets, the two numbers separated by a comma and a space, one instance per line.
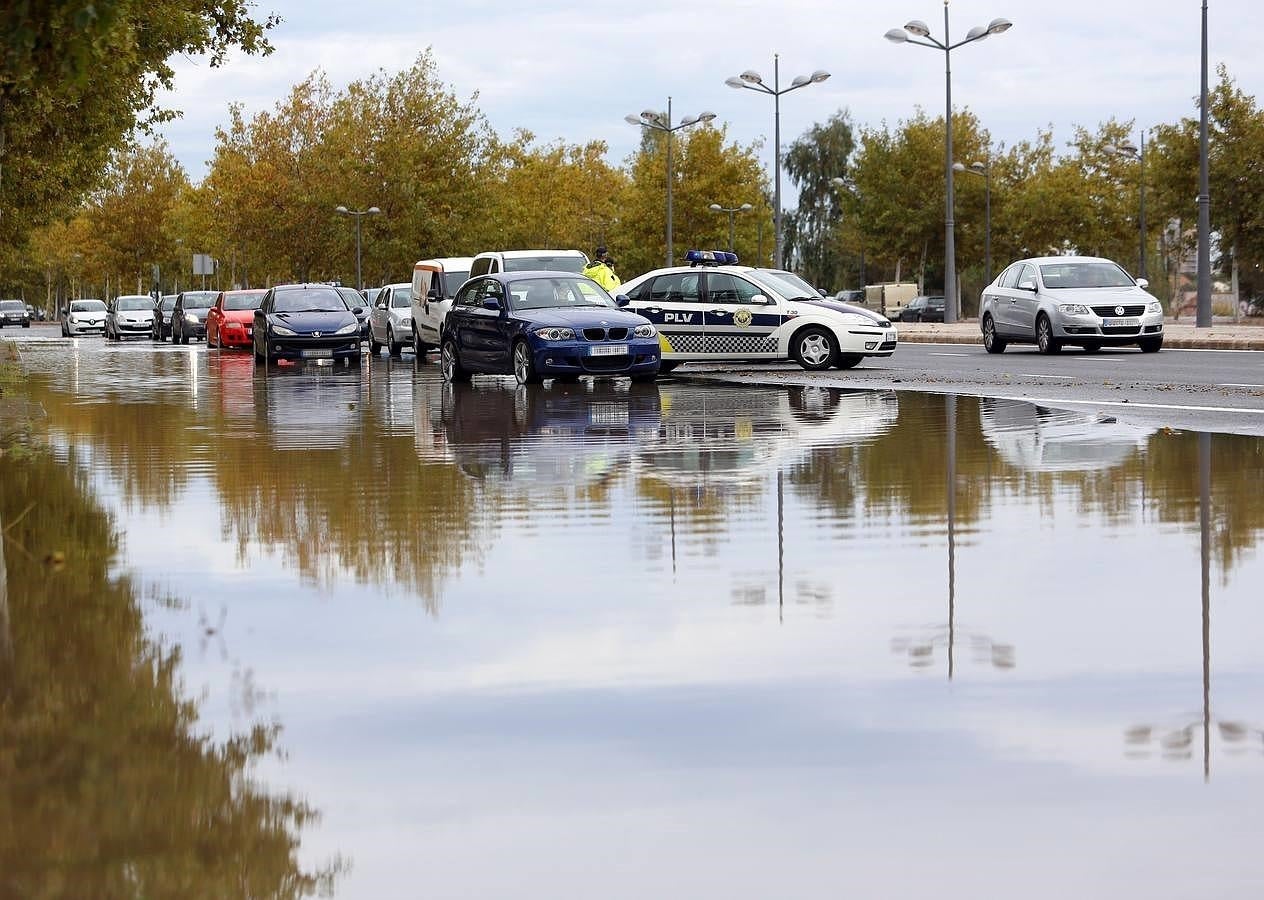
[714, 309]
[370, 297]
[129, 315]
[537, 325]
[83, 317]
[435, 283]
[390, 319]
[923, 309]
[14, 312]
[1050, 301]
[162, 317]
[853, 296]
[188, 316]
[355, 299]
[305, 321]
[230, 322]
[492, 262]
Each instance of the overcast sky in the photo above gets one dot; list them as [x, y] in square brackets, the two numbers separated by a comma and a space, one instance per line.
[573, 70]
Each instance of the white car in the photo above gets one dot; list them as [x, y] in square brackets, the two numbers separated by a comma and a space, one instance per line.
[435, 283]
[390, 321]
[1051, 301]
[492, 261]
[716, 310]
[83, 317]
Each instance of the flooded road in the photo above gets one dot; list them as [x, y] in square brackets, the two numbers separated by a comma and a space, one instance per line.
[361, 630]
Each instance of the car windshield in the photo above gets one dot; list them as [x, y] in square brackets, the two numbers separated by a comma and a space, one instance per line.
[169, 302]
[313, 300]
[401, 297]
[1084, 275]
[452, 282]
[246, 301]
[787, 284]
[200, 299]
[550, 293]
[11, 304]
[352, 297]
[87, 306]
[134, 303]
[545, 264]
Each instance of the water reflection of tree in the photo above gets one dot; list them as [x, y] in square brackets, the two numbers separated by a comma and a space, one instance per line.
[107, 789]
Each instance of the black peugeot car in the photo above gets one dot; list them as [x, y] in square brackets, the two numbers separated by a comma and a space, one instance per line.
[306, 321]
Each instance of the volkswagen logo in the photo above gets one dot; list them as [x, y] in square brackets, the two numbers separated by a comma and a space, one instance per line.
[316, 333]
[1119, 310]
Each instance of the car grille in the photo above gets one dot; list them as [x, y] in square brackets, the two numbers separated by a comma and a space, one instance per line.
[603, 334]
[605, 363]
[1109, 311]
[1127, 329]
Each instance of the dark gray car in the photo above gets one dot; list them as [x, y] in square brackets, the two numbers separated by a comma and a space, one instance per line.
[188, 317]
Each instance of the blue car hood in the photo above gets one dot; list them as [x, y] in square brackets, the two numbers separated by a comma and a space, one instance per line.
[581, 317]
[307, 322]
[876, 318]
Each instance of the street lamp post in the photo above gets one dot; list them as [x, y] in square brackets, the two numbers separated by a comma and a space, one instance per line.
[921, 30]
[357, 214]
[1203, 318]
[842, 185]
[1132, 152]
[657, 121]
[732, 211]
[985, 169]
[753, 81]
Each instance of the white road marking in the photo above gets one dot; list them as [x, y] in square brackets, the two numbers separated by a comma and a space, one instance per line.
[1066, 377]
[950, 354]
[1126, 405]
[1238, 384]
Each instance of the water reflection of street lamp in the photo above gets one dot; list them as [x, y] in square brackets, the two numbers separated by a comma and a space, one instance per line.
[732, 212]
[357, 214]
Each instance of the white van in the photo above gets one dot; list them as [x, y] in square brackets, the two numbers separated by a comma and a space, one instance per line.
[890, 298]
[528, 260]
[435, 283]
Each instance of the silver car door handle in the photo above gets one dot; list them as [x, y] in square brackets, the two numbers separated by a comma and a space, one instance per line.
[654, 309]
[718, 312]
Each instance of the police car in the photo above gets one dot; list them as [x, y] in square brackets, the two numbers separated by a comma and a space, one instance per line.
[716, 310]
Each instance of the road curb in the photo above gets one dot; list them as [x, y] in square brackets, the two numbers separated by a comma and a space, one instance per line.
[1210, 342]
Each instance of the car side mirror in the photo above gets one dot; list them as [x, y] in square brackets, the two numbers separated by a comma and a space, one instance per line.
[622, 299]
[1143, 283]
[357, 311]
[761, 300]
[822, 292]
[491, 303]
[1027, 286]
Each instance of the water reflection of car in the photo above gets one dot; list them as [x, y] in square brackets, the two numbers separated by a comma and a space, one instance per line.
[305, 321]
[230, 322]
[129, 315]
[188, 316]
[537, 325]
[1040, 439]
[83, 317]
[14, 313]
[162, 317]
[310, 407]
[559, 434]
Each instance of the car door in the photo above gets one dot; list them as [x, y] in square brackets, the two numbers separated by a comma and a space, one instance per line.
[480, 336]
[1026, 299]
[379, 316]
[214, 320]
[1002, 298]
[673, 302]
[739, 319]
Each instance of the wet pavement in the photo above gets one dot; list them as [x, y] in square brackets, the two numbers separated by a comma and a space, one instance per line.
[357, 629]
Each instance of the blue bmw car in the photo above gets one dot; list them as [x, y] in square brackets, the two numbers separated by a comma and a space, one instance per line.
[305, 321]
[537, 325]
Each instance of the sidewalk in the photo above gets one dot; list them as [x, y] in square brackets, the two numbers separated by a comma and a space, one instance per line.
[1176, 335]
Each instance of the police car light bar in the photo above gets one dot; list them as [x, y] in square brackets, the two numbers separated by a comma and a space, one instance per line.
[711, 258]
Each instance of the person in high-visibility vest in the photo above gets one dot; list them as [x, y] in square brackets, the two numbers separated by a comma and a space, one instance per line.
[601, 272]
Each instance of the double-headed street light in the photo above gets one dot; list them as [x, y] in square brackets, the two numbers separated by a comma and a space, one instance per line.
[1132, 152]
[357, 214]
[985, 169]
[753, 81]
[659, 121]
[919, 29]
[732, 211]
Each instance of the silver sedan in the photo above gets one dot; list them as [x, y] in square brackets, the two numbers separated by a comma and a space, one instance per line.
[1051, 301]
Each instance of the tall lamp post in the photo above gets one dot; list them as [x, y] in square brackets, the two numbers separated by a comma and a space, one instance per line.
[732, 211]
[357, 214]
[985, 169]
[659, 121]
[919, 29]
[1203, 318]
[842, 185]
[752, 81]
[1132, 152]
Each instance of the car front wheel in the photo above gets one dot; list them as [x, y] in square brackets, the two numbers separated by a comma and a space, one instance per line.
[815, 348]
[524, 365]
[450, 363]
[1045, 341]
[991, 342]
[393, 346]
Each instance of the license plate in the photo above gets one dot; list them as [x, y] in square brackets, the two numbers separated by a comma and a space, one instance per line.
[324, 353]
[608, 350]
[1120, 323]
[891, 335]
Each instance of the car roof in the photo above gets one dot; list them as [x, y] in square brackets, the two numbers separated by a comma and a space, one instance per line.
[526, 254]
[535, 273]
[1041, 260]
[447, 262]
[398, 284]
[239, 291]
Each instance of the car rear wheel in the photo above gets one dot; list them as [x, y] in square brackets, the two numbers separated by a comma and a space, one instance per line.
[1045, 341]
[374, 347]
[848, 360]
[815, 348]
[1151, 345]
[524, 365]
[419, 349]
[991, 342]
[450, 363]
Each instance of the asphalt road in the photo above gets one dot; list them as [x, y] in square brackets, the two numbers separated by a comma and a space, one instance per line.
[1212, 390]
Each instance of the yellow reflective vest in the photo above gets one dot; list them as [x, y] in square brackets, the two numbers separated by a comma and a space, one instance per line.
[603, 275]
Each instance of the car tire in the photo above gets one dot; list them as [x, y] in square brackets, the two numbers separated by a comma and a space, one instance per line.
[524, 365]
[848, 360]
[1151, 345]
[393, 347]
[375, 349]
[1046, 343]
[1092, 347]
[420, 348]
[992, 343]
[450, 363]
[814, 348]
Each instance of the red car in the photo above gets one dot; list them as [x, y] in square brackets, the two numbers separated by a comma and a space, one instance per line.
[229, 322]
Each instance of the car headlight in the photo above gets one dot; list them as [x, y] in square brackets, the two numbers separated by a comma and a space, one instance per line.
[555, 334]
[281, 329]
[1154, 307]
[1074, 309]
[190, 318]
[644, 331]
[349, 329]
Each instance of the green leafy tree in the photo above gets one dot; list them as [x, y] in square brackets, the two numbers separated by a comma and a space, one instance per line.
[813, 236]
